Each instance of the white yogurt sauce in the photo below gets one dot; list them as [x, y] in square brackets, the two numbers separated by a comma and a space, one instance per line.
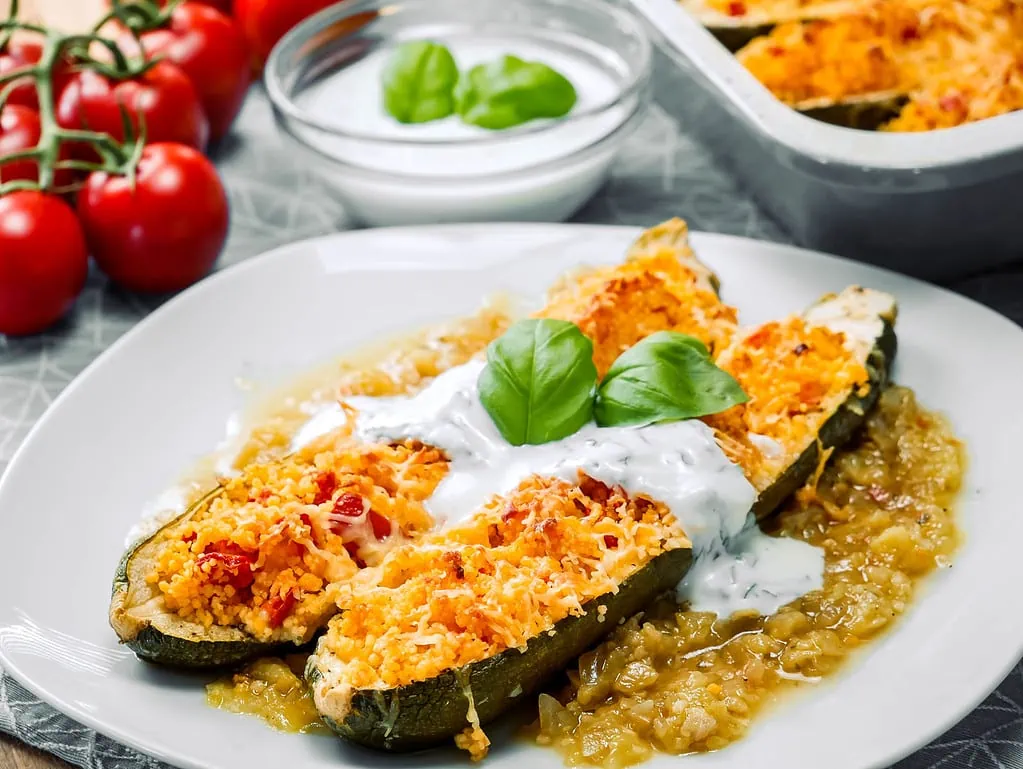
[351, 99]
[736, 565]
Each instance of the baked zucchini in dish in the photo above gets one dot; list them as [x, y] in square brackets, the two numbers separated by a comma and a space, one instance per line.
[896, 65]
[457, 629]
[811, 380]
[735, 22]
[248, 567]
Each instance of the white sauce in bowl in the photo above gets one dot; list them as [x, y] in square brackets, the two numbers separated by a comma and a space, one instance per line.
[518, 175]
[352, 100]
[737, 566]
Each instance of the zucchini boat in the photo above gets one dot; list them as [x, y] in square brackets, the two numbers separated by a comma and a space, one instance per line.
[811, 380]
[247, 568]
[460, 627]
[736, 22]
[160, 636]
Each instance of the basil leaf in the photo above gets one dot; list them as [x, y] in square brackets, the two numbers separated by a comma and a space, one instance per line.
[419, 82]
[664, 378]
[538, 384]
[509, 91]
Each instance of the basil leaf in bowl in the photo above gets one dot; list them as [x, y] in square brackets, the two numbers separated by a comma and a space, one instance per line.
[539, 381]
[665, 377]
[419, 82]
[509, 91]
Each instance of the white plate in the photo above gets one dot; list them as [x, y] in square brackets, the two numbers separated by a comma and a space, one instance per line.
[159, 398]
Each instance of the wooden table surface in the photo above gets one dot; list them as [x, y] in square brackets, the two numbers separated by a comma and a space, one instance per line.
[69, 15]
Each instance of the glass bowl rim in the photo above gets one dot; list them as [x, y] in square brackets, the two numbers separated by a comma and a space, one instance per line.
[633, 86]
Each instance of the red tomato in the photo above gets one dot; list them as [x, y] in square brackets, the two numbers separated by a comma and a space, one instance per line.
[163, 96]
[20, 130]
[168, 232]
[20, 54]
[43, 261]
[25, 53]
[210, 49]
[264, 22]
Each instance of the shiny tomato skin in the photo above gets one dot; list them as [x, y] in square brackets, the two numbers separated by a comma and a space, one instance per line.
[264, 22]
[163, 96]
[17, 56]
[20, 129]
[25, 53]
[166, 233]
[210, 50]
[43, 261]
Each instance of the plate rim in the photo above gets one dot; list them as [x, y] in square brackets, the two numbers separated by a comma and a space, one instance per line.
[700, 239]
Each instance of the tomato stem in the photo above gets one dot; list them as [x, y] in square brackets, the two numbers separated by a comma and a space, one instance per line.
[18, 185]
[5, 36]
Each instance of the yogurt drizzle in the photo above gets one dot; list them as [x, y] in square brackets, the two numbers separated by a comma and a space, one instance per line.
[736, 566]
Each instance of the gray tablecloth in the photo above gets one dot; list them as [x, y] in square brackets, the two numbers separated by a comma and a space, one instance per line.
[662, 174]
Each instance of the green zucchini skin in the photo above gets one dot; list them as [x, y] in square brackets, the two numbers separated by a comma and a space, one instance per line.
[839, 428]
[428, 713]
[163, 638]
[867, 113]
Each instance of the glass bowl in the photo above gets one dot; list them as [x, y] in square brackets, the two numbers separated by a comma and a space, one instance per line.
[323, 79]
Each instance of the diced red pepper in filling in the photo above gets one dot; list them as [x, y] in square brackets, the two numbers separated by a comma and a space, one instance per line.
[611, 540]
[231, 564]
[736, 8]
[910, 33]
[952, 103]
[352, 548]
[278, 608]
[349, 505]
[381, 525]
[326, 483]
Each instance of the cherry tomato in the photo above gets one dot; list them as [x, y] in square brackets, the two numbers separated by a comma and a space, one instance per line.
[163, 96]
[43, 261]
[20, 129]
[210, 49]
[168, 232]
[20, 54]
[264, 22]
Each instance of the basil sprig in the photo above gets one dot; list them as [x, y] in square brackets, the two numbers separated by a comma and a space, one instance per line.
[509, 91]
[665, 377]
[419, 81]
[540, 383]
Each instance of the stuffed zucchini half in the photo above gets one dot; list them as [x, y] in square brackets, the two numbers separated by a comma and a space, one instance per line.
[810, 380]
[249, 567]
[460, 627]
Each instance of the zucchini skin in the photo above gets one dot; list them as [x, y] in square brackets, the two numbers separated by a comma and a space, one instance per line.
[865, 114]
[165, 639]
[839, 428]
[428, 713]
